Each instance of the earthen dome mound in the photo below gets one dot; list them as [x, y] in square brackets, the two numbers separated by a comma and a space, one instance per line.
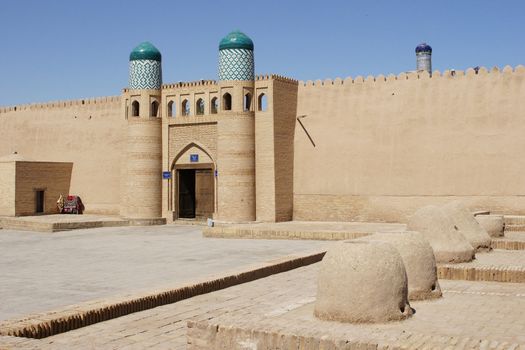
[419, 260]
[493, 224]
[448, 244]
[467, 225]
[362, 282]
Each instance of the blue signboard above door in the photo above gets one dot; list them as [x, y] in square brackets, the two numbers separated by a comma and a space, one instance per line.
[194, 158]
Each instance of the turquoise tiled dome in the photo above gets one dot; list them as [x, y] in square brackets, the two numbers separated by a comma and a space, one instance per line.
[236, 40]
[145, 51]
[145, 70]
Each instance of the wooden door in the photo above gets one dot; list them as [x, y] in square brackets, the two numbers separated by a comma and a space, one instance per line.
[204, 193]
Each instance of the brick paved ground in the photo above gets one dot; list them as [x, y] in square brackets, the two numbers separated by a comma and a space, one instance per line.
[474, 310]
[44, 271]
[468, 312]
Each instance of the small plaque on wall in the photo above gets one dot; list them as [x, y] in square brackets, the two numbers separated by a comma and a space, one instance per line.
[194, 158]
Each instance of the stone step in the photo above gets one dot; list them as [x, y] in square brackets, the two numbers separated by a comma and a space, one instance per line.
[506, 244]
[514, 228]
[22, 224]
[513, 274]
[512, 220]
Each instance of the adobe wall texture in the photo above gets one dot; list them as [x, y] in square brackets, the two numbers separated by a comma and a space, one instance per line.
[7, 188]
[264, 154]
[386, 146]
[236, 156]
[203, 134]
[142, 198]
[91, 133]
[285, 123]
[274, 134]
[53, 178]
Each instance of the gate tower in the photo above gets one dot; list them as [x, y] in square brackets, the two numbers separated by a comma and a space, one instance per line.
[236, 129]
[142, 192]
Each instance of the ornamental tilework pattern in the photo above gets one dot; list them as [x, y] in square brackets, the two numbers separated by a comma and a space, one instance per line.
[424, 61]
[145, 74]
[236, 64]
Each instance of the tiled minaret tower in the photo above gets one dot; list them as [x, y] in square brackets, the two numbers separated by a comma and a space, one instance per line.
[145, 67]
[424, 57]
[236, 130]
[236, 57]
[142, 192]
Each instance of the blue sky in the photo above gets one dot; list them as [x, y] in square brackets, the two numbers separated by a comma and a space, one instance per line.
[67, 49]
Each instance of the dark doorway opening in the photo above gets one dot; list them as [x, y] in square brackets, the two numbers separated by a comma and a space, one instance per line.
[186, 193]
[196, 190]
[39, 200]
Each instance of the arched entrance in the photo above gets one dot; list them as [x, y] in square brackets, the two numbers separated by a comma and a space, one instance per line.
[193, 189]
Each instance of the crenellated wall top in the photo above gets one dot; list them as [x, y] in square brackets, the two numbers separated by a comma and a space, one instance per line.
[448, 74]
[87, 102]
[187, 84]
[421, 75]
[277, 77]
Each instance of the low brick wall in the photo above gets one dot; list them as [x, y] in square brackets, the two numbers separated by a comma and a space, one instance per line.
[48, 324]
[507, 244]
[514, 274]
[204, 336]
[514, 220]
[515, 228]
[23, 224]
[257, 233]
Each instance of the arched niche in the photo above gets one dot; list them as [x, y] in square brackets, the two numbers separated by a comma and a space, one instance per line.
[184, 157]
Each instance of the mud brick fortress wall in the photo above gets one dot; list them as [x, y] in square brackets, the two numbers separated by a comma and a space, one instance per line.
[89, 133]
[385, 146]
[358, 149]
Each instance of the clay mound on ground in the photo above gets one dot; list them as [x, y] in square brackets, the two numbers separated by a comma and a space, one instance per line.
[362, 282]
[467, 225]
[449, 246]
[419, 260]
[493, 224]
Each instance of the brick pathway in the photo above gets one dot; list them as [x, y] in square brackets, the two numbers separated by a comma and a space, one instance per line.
[469, 310]
[45, 271]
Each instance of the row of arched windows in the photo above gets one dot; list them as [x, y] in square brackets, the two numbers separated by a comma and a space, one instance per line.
[226, 104]
[199, 105]
[135, 109]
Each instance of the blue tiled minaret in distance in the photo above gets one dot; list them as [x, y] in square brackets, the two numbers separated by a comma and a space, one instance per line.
[424, 57]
